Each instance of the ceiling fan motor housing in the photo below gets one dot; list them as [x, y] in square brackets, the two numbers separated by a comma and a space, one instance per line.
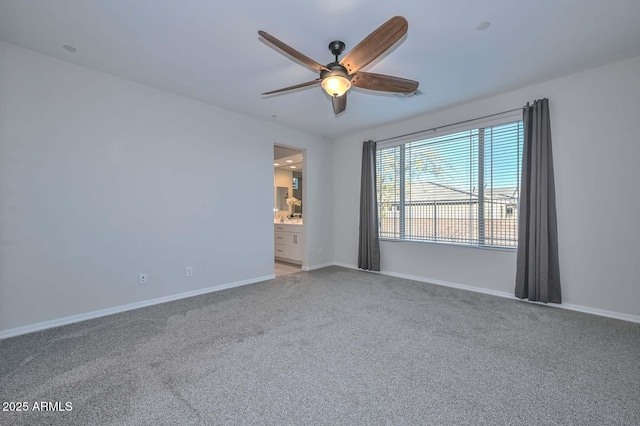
[335, 69]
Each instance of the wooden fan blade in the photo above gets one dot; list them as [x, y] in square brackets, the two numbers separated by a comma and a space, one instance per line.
[297, 86]
[383, 83]
[293, 52]
[375, 44]
[339, 103]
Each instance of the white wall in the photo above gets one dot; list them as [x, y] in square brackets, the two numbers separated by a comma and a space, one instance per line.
[595, 130]
[102, 179]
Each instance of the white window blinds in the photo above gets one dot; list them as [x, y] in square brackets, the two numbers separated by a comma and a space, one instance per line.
[458, 186]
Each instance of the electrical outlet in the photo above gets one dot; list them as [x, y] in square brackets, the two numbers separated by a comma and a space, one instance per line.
[143, 278]
[189, 271]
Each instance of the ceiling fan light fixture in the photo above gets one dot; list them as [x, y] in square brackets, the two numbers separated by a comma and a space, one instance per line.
[336, 85]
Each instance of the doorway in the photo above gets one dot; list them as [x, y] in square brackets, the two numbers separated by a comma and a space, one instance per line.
[289, 192]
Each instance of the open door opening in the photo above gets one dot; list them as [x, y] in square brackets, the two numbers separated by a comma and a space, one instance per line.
[288, 210]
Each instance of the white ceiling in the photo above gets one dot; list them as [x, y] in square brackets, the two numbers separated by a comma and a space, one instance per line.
[286, 158]
[210, 51]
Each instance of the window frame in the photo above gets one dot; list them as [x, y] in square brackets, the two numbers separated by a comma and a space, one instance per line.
[509, 117]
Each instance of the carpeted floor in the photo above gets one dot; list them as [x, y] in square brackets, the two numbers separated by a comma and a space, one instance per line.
[331, 346]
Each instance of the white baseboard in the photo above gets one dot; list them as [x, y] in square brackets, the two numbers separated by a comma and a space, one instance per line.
[475, 289]
[345, 265]
[323, 265]
[599, 312]
[568, 306]
[12, 332]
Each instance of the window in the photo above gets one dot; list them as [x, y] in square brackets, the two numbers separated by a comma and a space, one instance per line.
[459, 186]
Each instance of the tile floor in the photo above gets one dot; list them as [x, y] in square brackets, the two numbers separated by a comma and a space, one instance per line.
[284, 268]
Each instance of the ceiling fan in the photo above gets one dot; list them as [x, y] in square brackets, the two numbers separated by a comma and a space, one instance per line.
[337, 77]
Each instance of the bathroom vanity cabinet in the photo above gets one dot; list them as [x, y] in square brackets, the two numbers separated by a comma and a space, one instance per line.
[289, 243]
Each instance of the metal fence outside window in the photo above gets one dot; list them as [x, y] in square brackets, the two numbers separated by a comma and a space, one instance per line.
[452, 221]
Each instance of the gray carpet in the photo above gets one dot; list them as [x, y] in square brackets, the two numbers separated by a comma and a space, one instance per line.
[332, 346]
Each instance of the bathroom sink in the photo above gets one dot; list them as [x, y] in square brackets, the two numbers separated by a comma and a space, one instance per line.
[289, 222]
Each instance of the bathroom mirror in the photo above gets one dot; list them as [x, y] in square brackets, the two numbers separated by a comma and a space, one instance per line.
[297, 191]
[282, 193]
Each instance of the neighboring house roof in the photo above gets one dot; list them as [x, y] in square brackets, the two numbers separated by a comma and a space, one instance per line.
[432, 191]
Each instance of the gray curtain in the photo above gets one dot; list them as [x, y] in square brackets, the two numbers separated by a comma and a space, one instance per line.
[538, 269]
[368, 242]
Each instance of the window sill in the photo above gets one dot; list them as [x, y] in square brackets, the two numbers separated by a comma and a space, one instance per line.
[448, 244]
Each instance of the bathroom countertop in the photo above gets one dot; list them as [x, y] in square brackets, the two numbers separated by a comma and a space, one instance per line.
[287, 222]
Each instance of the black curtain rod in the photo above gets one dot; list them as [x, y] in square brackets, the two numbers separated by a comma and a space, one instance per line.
[449, 125]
